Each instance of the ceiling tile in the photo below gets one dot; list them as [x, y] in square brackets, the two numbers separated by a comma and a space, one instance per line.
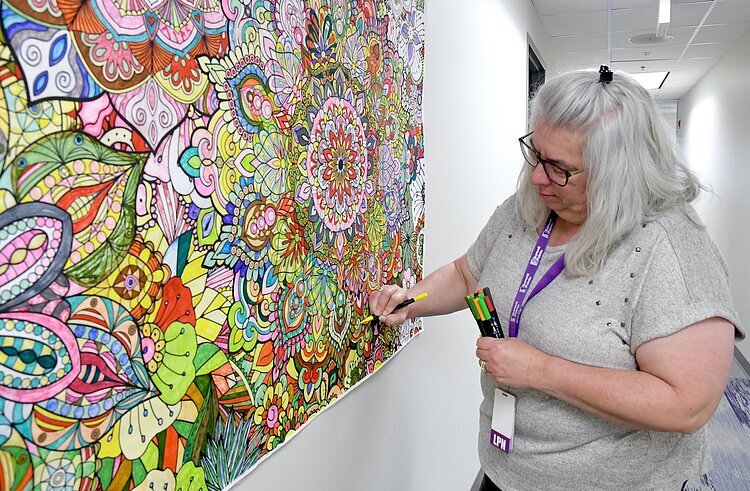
[585, 42]
[686, 15]
[681, 36]
[728, 11]
[632, 4]
[671, 83]
[686, 74]
[655, 52]
[696, 63]
[554, 7]
[634, 19]
[644, 66]
[690, 14]
[708, 49]
[580, 23]
[582, 59]
[629, 4]
[720, 33]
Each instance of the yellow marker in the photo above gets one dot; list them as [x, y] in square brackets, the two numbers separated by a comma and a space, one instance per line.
[399, 306]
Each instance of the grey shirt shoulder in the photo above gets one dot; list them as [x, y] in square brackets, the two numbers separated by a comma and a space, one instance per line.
[687, 279]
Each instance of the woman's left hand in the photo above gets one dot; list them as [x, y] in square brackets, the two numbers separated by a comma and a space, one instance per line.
[509, 361]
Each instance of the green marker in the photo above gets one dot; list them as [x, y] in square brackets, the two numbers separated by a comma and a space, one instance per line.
[470, 302]
[473, 303]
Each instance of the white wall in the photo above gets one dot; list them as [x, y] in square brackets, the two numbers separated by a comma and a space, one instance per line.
[715, 137]
[413, 425]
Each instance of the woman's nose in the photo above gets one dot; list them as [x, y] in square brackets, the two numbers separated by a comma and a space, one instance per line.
[538, 176]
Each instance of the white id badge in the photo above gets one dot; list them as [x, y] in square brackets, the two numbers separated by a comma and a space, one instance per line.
[503, 421]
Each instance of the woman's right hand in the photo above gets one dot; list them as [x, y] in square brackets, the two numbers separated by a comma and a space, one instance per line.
[383, 301]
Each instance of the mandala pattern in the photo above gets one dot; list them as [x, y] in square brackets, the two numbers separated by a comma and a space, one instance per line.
[337, 164]
[196, 201]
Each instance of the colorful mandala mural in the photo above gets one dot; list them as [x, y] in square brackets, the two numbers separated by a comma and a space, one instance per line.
[196, 200]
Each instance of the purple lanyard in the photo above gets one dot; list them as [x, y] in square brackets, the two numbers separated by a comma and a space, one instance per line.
[536, 257]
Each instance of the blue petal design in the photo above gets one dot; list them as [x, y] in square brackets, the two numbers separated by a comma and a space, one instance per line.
[58, 50]
[40, 83]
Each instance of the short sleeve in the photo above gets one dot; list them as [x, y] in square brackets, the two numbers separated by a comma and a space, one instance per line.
[481, 248]
[686, 282]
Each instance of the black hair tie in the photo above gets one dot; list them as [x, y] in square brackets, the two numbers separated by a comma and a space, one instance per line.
[605, 74]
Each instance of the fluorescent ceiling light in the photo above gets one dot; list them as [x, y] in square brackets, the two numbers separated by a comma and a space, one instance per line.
[665, 11]
[650, 80]
[663, 18]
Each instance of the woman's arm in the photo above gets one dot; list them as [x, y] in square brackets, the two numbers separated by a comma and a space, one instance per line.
[446, 287]
[679, 384]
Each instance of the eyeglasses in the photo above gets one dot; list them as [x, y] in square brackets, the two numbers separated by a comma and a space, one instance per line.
[556, 174]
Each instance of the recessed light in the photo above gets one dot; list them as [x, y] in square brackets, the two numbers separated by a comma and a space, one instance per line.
[650, 80]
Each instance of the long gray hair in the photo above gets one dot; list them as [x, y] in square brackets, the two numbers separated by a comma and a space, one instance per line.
[633, 170]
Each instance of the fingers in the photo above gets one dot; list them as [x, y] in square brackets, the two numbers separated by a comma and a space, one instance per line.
[492, 351]
[482, 354]
[397, 295]
[511, 362]
[384, 301]
[491, 355]
[487, 343]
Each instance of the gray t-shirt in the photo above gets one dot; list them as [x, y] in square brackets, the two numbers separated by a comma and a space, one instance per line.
[661, 278]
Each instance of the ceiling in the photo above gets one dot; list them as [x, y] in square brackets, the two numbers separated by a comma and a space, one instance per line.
[703, 32]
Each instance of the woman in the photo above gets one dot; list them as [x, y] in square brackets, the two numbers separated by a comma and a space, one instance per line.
[623, 357]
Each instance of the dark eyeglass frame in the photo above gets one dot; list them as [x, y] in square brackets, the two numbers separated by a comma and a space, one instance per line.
[530, 153]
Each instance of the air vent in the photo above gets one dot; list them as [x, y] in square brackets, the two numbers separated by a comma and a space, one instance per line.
[650, 39]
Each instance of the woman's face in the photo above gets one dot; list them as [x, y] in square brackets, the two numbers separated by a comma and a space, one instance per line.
[565, 148]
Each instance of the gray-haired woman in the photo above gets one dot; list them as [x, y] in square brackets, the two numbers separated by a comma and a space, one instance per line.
[624, 352]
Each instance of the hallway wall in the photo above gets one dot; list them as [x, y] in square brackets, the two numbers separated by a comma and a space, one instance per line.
[413, 425]
[714, 134]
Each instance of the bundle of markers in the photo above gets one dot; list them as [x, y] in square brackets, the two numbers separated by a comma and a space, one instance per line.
[483, 309]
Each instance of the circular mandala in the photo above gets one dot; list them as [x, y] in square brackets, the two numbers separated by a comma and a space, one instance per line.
[337, 163]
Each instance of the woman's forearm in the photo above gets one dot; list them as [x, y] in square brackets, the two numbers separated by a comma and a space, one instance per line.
[679, 383]
[629, 398]
[446, 287]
